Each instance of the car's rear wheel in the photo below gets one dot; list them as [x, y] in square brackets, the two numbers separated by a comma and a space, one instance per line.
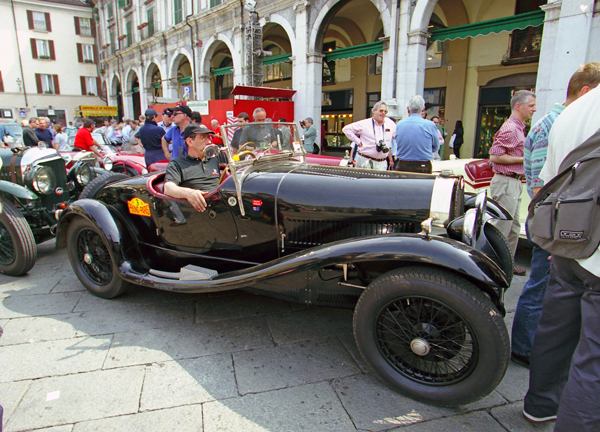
[91, 260]
[432, 336]
[98, 183]
[18, 251]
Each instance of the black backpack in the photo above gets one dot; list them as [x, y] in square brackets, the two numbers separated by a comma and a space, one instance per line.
[564, 216]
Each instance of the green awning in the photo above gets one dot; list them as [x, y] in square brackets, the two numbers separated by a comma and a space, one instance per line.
[222, 71]
[281, 58]
[156, 85]
[185, 80]
[482, 28]
[355, 51]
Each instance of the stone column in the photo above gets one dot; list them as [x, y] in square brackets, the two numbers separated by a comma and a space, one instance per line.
[203, 87]
[414, 66]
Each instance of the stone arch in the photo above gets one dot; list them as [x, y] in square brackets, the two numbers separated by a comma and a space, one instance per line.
[211, 45]
[149, 90]
[284, 23]
[328, 12]
[178, 55]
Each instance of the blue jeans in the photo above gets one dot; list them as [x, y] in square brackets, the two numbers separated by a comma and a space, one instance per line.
[529, 307]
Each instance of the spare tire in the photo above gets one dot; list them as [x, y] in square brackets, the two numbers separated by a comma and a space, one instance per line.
[93, 187]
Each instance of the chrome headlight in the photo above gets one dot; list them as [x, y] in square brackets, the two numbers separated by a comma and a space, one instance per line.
[67, 158]
[84, 174]
[44, 180]
[144, 171]
[107, 163]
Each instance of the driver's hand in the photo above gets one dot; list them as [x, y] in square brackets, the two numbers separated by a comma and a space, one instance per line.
[196, 199]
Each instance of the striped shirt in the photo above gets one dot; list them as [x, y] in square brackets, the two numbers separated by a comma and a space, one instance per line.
[536, 148]
[509, 140]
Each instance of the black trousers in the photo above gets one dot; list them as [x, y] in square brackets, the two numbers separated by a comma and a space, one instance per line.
[413, 166]
[564, 376]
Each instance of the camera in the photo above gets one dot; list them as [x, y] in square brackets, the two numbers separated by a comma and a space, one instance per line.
[381, 147]
[303, 123]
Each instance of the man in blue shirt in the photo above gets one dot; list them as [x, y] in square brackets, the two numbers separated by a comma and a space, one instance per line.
[182, 117]
[150, 135]
[43, 133]
[416, 140]
[110, 132]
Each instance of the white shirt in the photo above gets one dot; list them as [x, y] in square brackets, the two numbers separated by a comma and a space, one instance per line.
[579, 121]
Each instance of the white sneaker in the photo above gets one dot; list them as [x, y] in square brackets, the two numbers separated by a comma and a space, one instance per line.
[533, 419]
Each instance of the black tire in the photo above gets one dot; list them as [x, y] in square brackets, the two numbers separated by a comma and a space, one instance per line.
[98, 183]
[18, 251]
[502, 249]
[464, 343]
[90, 258]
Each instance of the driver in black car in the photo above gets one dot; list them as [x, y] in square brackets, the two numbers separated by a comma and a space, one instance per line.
[194, 174]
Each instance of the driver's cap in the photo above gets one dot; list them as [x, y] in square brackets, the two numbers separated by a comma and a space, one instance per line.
[195, 128]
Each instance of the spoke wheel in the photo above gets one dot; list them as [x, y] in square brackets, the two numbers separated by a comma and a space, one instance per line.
[426, 341]
[18, 251]
[432, 335]
[91, 259]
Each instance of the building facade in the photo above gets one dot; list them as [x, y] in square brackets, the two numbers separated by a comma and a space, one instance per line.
[50, 63]
[341, 56]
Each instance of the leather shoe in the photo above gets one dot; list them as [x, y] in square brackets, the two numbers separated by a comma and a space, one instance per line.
[520, 359]
[519, 271]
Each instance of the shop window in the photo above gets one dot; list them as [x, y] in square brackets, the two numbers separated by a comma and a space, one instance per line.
[328, 66]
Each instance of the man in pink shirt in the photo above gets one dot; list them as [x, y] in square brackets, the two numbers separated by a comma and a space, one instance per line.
[506, 155]
[372, 139]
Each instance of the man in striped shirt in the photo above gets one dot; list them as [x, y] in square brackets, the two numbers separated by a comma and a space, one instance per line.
[506, 156]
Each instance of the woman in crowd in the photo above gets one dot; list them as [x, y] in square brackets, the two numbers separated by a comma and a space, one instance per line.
[458, 141]
[60, 139]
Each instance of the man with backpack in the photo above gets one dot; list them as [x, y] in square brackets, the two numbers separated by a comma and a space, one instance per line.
[529, 307]
[565, 374]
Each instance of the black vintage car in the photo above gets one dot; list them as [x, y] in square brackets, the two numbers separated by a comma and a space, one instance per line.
[426, 280]
[35, 188]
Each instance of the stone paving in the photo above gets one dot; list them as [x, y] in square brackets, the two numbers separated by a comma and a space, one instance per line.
[158, 361]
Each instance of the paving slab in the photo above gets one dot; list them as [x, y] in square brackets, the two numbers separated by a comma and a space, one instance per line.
[64, 428]
[11, 394]
[190, 381]
[73, 398]
[44, 359]
[292, 365]
[189, 341]
[133, 295]
[16, 306]
[313, 407]
[375, 407]
[515, 384]
[36, 329]
[511, 418]
[477, 421]
[240, 305]
[350, 344]
[32, 283]
[310, 324]
[180, 419]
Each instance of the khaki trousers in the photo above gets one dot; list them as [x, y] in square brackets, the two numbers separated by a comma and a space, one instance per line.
[506, 191]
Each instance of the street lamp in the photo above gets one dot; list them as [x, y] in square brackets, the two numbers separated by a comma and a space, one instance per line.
[19, 83]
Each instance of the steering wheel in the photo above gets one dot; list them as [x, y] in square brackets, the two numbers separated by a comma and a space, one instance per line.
[249, 144]
[246, 153]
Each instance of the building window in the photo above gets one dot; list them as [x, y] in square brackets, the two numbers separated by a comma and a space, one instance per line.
[43, 48]
[129, 33]
[150, 21]
[124, 4]
[87, 52]
[372, 99]
[525, 45]
[85, 27]
[177, 11]
[109, 11]
[214, 3]
[328, 66]
[89, 86]
[375, 64]
[39, 21]
[47, 83]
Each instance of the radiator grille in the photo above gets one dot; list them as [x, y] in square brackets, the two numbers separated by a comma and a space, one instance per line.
[314, 232]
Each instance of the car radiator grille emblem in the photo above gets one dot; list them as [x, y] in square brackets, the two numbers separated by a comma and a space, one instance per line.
[232, 201]
[58, 191]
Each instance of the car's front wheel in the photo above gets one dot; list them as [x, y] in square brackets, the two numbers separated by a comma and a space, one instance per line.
[98, 183]
[91, 260]
[432, 336]
[18, 251]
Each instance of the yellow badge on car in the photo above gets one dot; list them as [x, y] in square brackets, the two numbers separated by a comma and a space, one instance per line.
[138, 207]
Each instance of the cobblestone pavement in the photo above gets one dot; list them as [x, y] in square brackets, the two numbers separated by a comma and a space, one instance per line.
[158, 361]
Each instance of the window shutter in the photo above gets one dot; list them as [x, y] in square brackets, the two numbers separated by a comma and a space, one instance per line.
[30, 19]
[48, 24]
[52, 54]
[93, 26]
[1, 83]
[98, 86]
[38, 83]
[34, 53]
[83, 89]
[95, 54]
[77, 28]
[79, 53]
[56, 87]
[121, 4]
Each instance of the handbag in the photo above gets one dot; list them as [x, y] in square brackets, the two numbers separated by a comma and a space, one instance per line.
[451, 144]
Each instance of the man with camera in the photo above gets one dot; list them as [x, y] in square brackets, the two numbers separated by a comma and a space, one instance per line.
[372, 139]
[310, 135]
[417, 140]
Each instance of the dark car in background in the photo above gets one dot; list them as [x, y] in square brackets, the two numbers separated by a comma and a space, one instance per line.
[35, 188]
[15, 128]
[419, 263]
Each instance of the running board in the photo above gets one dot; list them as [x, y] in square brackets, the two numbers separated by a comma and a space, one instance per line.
[187, 273]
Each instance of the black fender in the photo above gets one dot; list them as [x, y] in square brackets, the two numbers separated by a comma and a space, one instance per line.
[97, 213]
[494, 209]
[430, 251]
